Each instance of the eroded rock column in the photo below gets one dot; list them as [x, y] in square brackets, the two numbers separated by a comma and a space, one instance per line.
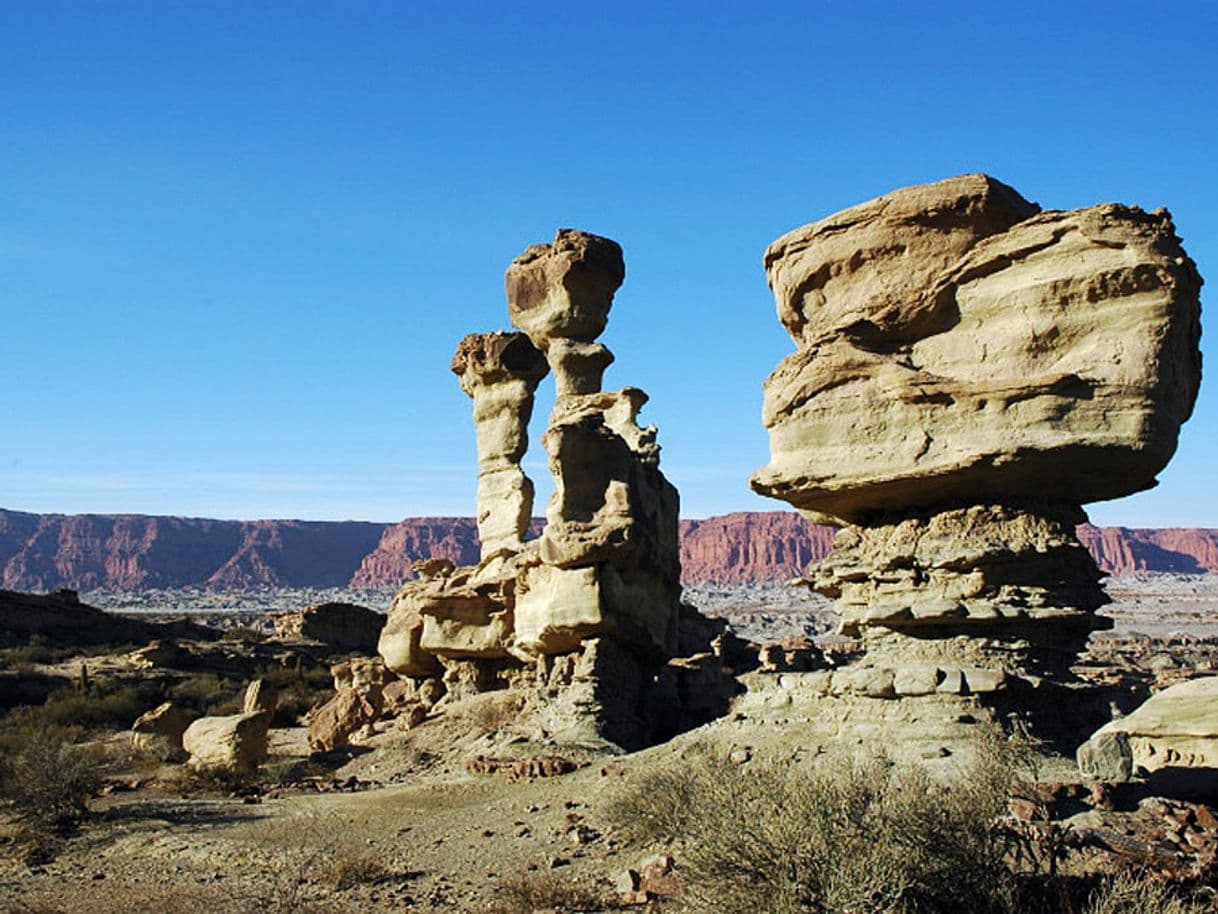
[500, 371]
[610, 562]
[969, 372]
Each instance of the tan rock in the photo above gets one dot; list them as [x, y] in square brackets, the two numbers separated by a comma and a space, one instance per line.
[362, 671]
[260, 695]
[1175, 728]
[234, 744]
[1054, 359]
[158, 733]
[500, 371]
[564, 289]
[969, 372]
[400, 642]
[861, 273]
[973, 568]
[335, 722]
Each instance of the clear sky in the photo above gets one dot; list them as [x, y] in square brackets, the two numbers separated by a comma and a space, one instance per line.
[239, 241]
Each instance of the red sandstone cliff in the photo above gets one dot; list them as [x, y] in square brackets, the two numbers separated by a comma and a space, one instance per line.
[40, 552]
[135, 552]
[751, 546]
[389, 563]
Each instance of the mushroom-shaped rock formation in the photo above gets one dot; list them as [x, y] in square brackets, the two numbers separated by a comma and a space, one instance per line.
[500, 371]
[590, 610]
[560, 295]
[971, 370]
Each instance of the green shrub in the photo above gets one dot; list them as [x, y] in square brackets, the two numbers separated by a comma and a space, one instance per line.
[44, 774]
[845, 837]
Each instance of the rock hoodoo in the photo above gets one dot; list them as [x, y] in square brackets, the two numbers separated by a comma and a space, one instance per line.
[587, 613]
[971, 370]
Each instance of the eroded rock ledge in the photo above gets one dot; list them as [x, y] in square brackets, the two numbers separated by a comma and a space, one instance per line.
[969, 372]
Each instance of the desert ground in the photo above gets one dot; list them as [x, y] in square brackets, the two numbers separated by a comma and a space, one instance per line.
[401, 818]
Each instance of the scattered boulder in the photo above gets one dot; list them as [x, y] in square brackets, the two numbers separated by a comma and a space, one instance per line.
[344, 715]
[1174, 729]
[158, 733]
[235, 744]
[1106, 757]
[342, 626]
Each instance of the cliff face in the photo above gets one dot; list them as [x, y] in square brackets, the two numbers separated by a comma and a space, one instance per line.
[1122, 551]
[751, 546]
[134, 552]
[39, 552]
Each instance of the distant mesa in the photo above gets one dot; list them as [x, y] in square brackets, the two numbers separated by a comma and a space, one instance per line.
[41, 552]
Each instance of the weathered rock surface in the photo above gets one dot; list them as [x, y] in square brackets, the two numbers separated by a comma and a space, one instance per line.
[233, 744]
[158, 733]
[1176, 728]
[500, 372]
[603, 579]
[335, 722]
[1055, 356]
[969, 372]
[344, 626]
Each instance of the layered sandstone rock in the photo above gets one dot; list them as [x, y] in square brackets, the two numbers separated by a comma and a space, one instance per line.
[969, 372]
[1176, 728]
[603, 578]
[1053, 357]
[500, 371]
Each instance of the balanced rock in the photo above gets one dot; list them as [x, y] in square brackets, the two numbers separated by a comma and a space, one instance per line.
[970, 371]
[603, 579]
[983, 353]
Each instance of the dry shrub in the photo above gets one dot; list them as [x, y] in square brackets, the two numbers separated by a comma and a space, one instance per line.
[866, 838]
[350, 869]
[491, 713]
[45, 775]
[1129, 894]
[544, 891]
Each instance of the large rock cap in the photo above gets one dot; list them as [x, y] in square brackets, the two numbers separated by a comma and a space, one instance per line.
[565, 289]
[976, 356]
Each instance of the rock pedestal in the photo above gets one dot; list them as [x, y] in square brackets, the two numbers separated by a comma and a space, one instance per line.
[603, 580]
[971, 370]
[500, 371]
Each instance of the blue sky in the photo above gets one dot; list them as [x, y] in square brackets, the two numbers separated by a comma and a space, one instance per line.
[239, 242]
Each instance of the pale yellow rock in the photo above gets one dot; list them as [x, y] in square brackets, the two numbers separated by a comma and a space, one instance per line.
[234, 744]
[1176, 728]
[862, 271]
[158, 733]
[1055, 359]
[400, 642]
[260, 695]
[500, 371]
